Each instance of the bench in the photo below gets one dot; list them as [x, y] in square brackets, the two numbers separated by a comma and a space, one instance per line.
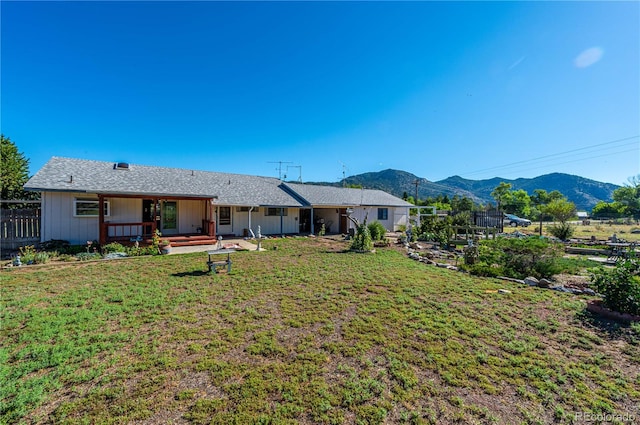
[213, 265]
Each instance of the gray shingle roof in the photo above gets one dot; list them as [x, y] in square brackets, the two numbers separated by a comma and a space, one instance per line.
[101, 177]
[231, 189]
[340, 196]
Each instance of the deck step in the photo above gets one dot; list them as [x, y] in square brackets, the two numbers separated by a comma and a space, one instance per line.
[187, 242]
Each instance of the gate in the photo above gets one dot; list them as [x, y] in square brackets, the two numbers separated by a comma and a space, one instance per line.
[19, 227]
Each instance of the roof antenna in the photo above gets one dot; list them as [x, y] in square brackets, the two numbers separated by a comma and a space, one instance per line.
[280, 166]
[71, 179]
[299, 167]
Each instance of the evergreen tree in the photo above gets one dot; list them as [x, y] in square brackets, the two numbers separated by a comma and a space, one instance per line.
[14, 172]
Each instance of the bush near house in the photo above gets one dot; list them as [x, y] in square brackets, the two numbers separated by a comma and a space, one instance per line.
[377, 230]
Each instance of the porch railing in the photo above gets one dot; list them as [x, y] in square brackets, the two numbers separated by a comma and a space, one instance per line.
[127, 231]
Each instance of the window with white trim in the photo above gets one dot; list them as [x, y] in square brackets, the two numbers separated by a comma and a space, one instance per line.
[224, 216]
[383, 213]
[89, 208]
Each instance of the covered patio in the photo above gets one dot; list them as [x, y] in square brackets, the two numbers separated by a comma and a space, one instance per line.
[157, 214]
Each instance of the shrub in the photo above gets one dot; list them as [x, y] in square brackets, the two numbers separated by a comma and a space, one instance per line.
[377, 231]
[27, 254]
[562, 231]
[59, 245]
[436, 229]
[143, 250]
[620, 287]
[86, 256]
[362, 240]
[41, 257]
[113, 247]
[517, 258]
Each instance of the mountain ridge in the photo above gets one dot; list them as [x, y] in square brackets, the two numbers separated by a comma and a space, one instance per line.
[583, 192]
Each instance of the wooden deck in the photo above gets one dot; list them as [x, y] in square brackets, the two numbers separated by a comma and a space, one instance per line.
[191, 240]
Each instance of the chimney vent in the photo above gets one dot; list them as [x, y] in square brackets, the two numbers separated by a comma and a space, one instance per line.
[121, 166]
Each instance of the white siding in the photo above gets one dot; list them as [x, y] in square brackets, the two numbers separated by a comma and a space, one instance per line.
[125, 210]
[58, 221]
[190, 215]
[400, 217]
[396, 216]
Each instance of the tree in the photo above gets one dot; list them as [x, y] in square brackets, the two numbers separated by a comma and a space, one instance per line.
[561, 210]
[501, 193]
[608, 210]
[540, 199]
[518, 203]
[629, 197]
[461, 203]
[14, 171]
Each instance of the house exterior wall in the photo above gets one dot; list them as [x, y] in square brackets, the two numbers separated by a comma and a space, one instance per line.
[400, 217]
[58, 221]
[270, 225]
[396, 216]
[190, 215]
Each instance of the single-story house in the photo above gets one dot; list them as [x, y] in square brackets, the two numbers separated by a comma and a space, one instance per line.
[85, 200]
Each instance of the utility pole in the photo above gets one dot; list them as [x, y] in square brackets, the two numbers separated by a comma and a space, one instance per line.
[280, 167]
[417, 182]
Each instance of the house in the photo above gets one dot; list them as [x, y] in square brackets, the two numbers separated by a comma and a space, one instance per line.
[86, 200]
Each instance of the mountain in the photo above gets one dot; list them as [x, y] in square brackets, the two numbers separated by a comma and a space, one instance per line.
[583, 192]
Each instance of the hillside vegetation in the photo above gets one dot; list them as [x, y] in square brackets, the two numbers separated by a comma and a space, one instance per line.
[584, 193]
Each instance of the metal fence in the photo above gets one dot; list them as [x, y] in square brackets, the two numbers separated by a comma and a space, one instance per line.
[489, 219]
[19, 227]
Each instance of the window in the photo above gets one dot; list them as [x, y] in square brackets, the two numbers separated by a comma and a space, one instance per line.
[224, 215]
[383, 213]
[89, 208]
[276, 211]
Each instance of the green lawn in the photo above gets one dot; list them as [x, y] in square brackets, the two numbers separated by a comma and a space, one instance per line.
[302, 333]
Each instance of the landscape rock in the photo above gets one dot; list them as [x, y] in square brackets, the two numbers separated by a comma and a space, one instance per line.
[510, 279]
[589, 291]
[531, 281]
[544, 283]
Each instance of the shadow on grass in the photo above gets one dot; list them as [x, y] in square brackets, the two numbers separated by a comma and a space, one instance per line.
[611, 328]
[193, 273]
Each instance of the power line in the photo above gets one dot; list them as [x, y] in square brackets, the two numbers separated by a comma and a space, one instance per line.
[578, 160]
[556, 155]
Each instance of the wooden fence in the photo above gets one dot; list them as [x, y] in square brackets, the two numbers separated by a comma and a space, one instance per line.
[19, 227]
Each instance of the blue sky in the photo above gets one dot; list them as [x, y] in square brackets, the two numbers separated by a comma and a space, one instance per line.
[476, 89]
